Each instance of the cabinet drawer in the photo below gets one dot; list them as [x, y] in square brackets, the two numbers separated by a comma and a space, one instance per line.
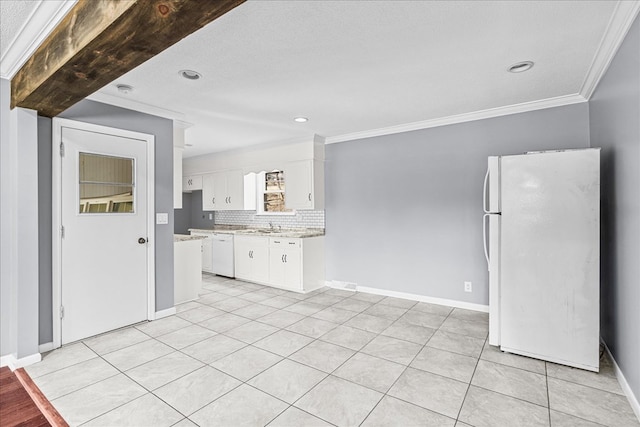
[284, 242]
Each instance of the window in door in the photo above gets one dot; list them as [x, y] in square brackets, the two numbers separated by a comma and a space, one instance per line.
[106, 184]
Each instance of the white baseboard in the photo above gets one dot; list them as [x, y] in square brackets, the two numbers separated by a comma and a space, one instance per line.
[633, 400]
[13, 363]
[4, 360]
[48, 346]
[423, 298]
[345, 286]
[165, 313]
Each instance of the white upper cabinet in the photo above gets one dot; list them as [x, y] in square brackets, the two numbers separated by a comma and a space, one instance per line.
[190, 183]
[223, 191]
[305, 185]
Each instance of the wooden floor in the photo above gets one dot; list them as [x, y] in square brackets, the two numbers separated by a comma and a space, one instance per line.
[16, 406]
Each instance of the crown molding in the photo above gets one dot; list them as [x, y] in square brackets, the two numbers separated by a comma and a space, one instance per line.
[44, 18]
[462, 118]
[621, 20]
[129, 104]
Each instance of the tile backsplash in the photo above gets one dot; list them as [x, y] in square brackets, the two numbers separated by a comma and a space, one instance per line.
[302, 219]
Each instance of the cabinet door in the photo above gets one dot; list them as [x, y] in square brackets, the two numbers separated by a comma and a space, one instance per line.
[208, 193]
[292, 269]
[235, 190]
[219, 191]
[207, 255]
[186, 187]
[299, 184]
[260, 259]
[242, 260]
[276, 267]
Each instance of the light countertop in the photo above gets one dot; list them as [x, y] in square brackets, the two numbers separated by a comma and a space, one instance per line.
[264, 232]
[186, 237]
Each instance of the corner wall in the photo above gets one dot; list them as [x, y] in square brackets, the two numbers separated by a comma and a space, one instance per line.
[615, 127]
[404, 211]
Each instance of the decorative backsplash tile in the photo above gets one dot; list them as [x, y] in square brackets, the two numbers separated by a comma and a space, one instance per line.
[302, 219]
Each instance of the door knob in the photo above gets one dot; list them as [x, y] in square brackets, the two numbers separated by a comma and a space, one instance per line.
[142, 240]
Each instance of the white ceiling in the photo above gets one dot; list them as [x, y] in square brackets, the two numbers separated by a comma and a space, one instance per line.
[13, 15]
[354, 66]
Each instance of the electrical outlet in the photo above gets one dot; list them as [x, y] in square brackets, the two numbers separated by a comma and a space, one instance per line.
[211, 216]
[468, 287]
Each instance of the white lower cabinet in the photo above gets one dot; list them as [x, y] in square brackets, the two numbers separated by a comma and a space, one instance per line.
[207, 251]
[251, 257]
[285, 263]
[295, 264]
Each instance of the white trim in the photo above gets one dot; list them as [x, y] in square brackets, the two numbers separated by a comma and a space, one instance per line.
[164, 313]
[621, 20]
[415, 297]
[48, 346]
[43, 19]
[462, 118]
[4, 360]
[13, 363]
[57, 125]
[632, 398]
[130, 104]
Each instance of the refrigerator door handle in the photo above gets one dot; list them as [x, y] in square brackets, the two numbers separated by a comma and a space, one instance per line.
[484, 192]
[484, 239]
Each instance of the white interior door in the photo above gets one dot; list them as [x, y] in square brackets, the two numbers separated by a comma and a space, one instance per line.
[103, 259]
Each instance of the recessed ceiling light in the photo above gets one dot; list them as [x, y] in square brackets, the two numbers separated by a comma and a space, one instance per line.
[521, 67]
[190, 74]
[124, 88]
[300, 119]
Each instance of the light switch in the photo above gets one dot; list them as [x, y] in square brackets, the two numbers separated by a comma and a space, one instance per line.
[162, 218]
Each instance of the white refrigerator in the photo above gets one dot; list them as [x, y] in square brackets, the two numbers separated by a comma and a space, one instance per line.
[542, 244]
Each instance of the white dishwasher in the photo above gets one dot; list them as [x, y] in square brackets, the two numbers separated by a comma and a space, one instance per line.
[222, 248]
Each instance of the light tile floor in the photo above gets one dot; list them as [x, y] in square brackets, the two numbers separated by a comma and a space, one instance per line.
[245, 354]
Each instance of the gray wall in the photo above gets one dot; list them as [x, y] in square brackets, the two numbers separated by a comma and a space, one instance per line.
[182, 218]
[162, 129]
[200, 218]
[404, 211]
[18, 229]
[45, 188]
[615, 126]
[6, 326]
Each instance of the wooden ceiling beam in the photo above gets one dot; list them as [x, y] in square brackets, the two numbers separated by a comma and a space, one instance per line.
[99, 41]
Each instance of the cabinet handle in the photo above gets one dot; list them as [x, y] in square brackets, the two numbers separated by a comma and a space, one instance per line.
[229, 199]
[213, 200]
[276, 241]
[309, 196]
[292, 243]
[285, 257]
[282, 258]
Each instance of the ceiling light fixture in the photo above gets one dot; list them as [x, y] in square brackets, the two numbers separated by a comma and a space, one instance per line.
[190, 74]
[521, 67]
[300, 119]
[126, 89]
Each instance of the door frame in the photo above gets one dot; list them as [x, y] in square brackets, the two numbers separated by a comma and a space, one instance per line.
[56, 247]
